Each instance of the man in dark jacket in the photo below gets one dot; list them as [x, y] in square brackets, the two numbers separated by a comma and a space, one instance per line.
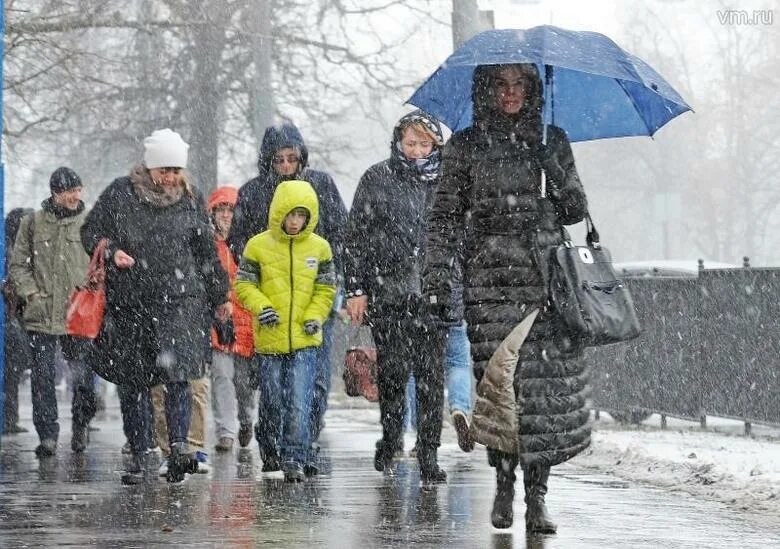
[284, 156]
[491, 189]
[384, 251]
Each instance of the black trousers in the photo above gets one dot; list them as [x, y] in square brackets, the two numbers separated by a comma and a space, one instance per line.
[408, 342]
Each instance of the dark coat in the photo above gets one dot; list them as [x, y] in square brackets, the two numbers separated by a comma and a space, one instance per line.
[385, 235]
[250, 216]
[490, 188]
[158, 312]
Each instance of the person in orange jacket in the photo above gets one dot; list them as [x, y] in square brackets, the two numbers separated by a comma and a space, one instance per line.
[232, 389]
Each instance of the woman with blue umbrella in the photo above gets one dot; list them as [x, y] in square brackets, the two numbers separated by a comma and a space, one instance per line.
[491, 192]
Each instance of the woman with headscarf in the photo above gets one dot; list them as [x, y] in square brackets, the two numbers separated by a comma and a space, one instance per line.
[384, 245]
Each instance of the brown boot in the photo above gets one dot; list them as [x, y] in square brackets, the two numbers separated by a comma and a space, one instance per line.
[537, 520]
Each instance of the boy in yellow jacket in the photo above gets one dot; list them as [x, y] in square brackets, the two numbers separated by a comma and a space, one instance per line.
[286, 279]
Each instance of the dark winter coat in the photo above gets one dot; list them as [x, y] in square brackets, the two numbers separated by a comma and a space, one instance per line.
[490, 188]
[254, 197]
[158, 312]
[385, 235]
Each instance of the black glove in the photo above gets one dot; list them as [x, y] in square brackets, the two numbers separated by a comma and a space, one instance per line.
[226, 332]
[269, 317]
[552, 168]
[311, 327]
[441, 313]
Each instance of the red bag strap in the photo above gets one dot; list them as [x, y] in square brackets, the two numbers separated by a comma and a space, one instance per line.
[97, 265]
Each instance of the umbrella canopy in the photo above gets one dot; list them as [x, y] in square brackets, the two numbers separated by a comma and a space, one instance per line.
[598, 90]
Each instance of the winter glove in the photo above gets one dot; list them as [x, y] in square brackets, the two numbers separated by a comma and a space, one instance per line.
[552, 168]
[268, 317]
[311, 327]
[440, 312]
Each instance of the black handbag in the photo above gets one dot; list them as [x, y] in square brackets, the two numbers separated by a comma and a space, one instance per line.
[583, 288]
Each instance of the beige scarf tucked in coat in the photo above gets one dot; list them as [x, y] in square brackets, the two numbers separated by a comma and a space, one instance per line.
[494, 422]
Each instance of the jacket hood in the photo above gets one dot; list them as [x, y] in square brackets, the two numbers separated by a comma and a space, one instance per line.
[528, 123]
[289, 195]
[223, 195]
[279, 137]
[416, 116]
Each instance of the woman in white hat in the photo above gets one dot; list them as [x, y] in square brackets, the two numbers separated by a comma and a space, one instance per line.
[164, 284]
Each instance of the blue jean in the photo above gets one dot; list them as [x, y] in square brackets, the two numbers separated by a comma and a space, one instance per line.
[457, 368]
[44, 396]
[286, 393]
[137, 416]
[321, 382]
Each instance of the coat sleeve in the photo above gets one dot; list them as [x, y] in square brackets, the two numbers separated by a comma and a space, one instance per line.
[244, 225]
[102, 222]
[204, 250]
[335, 220]
[446, 222]
[247, 284]
[20, 268]
[564, 185]
[360, 236]
[324, 288]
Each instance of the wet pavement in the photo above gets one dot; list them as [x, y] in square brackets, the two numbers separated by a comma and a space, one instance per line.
[77, 500]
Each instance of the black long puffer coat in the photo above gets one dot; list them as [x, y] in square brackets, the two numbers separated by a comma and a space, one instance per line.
[158, 312]
[491, 188]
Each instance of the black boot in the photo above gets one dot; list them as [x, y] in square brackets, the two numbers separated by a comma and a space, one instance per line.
[537, 521]
[502, 515]
[79, 437]
[134, 470]
[180, 463]
[383, 457]
[430, 472]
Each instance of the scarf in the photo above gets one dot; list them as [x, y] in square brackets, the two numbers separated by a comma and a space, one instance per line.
[159, 196]
[427, 169]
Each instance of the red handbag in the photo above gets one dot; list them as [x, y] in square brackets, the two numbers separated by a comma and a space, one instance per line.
[87, 303]
[360, 373]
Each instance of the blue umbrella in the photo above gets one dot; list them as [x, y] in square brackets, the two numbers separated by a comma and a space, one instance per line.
[593, 89]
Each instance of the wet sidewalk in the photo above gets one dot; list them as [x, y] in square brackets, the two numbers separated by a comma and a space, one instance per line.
[77, 500]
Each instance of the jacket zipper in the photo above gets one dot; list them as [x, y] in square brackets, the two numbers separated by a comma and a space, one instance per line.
[289, 324]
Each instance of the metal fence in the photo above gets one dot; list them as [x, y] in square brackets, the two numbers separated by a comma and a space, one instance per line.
[710, 345]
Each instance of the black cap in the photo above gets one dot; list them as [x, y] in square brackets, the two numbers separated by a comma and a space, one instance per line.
[63, 179]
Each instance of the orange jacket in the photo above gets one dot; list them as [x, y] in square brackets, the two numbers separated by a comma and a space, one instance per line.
[242, 319]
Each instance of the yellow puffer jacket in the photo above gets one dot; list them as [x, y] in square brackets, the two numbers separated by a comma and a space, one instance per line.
[294, 274]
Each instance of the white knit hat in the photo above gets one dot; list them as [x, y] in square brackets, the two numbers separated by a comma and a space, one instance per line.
[165, 149]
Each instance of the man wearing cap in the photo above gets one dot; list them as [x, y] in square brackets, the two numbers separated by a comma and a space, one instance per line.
[48, 261]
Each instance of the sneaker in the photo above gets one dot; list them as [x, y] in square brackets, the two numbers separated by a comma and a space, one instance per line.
[294, 473]
[47, 448]
[134, 471]
[225, 444]
[271, 465]
[203, 462]
[245, 434]
[461, 423]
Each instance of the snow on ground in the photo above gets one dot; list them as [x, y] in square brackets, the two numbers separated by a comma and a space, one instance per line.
[718, 463]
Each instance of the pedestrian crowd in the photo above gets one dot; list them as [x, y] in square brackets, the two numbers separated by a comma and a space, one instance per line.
[230, 300]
